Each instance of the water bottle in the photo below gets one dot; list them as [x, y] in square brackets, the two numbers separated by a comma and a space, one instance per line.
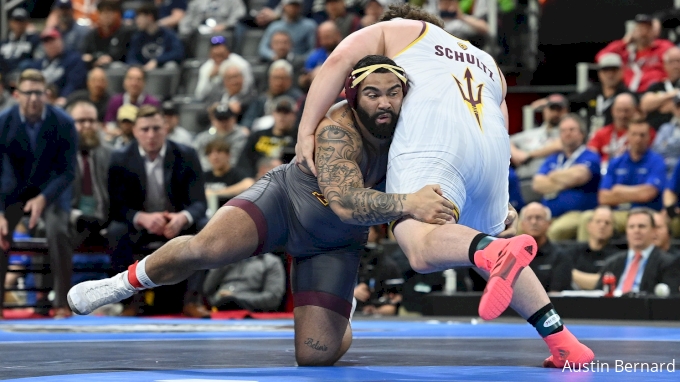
[609, 284]
[450, 283]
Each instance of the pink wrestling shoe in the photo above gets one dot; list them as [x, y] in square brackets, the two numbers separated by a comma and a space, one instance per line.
[504, 259]
[564, 348]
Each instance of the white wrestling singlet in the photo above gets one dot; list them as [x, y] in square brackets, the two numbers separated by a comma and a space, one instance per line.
[451, 130]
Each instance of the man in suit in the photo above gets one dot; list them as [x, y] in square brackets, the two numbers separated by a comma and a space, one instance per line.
[157, 193]
[643, 266]
[90, 200]
[38, 145]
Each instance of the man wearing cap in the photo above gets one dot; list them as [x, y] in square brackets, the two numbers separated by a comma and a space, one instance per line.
[96, 92]
[211, 16]
[62, 18]
[176, 133]
[568, 180]
[126, 120]
[271, 142]
[38, 144]
[667, 141]
[301, 30]
[153, 46]
[84, 12]
[62, 67]
[110, 41]
[657, 102]
[224, 126]
[211, 73]
[598, 98]
[530, 147]
[19, 47]
[642, 55]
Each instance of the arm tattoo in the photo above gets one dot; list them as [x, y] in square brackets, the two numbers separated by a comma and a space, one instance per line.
[315, 345]
[341, 181]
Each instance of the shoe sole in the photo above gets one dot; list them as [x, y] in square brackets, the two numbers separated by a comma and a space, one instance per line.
[72, 305]
[518, 254]
[587, 357]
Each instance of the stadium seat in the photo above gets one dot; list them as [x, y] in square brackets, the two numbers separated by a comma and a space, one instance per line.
[162, 82]
[115, 76]
[249, 45]
[260, 76]
[189, 113]
[257, 4]
[189, 77]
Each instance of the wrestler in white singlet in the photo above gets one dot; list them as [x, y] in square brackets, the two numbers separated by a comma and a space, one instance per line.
[451, 130]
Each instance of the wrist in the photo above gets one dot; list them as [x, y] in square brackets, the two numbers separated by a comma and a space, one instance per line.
[407, 204]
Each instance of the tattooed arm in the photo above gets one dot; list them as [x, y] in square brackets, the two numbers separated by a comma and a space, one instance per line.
[338, 150]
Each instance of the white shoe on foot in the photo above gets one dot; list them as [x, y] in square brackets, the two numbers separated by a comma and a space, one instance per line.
[87, 296]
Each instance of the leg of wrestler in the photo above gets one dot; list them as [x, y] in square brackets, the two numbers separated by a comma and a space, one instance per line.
[433, 248]
[323, 288]
[230, 236]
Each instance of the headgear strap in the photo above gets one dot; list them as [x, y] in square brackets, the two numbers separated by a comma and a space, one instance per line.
[372, 68]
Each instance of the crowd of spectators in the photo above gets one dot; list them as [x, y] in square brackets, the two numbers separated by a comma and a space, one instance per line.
[144, 172]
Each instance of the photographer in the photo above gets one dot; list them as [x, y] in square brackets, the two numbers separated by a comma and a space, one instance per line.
[378, 290]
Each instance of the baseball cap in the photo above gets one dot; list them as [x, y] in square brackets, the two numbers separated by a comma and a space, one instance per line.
[223, 112]
[19, 14]
[557, 99]
[643, 18]
[63, 4]
[610, 60]
[49, 34]
[127, 112]
[219, 40]
[169, 108]
[286, 2]
[285, 106]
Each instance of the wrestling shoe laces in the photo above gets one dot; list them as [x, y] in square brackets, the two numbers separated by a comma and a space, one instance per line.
[504, 259]
[564, 347]
[87, 296]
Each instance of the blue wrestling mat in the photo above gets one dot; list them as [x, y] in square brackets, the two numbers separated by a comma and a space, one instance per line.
[186, 350]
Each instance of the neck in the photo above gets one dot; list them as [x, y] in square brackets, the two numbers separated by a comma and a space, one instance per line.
[619, 127]
[596, 244]
[32, 118]
[153, 154]
[608, 91]
[568, 151]
[639, 248]
[134, 98]
[636, 156]
[96, 96]
[643, 45]
[224, 129]
[541, 240]
[153, 28]
[222, 170]
[278, 130]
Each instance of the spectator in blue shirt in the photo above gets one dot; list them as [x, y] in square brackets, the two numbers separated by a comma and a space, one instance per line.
[20, 45]
[670, 199]
[171, 12]
[153, 46]
[634, 179]
[329, 38]
[516, 199]
[38, 145]
[667, 140]
[62, 67]
[302, 30]
[568, 180]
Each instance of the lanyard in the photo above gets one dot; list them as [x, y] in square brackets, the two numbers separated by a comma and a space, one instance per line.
[603, 104]
[563, 164]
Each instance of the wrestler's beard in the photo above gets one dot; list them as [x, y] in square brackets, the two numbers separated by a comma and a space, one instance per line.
[382, 130]
[88, 141]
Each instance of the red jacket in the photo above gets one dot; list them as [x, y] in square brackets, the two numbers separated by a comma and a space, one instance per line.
[650, 61]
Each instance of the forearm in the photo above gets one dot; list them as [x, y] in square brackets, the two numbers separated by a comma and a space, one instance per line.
[653, 101]
[635, 194]
[585, 281]
[235, 189]
[549, 148]
[670, 199]
[480, 26]
[545, 185]
[569, 178]
[172, 20]
[368, 207]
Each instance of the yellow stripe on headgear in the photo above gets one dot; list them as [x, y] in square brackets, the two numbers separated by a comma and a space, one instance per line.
[372, 68]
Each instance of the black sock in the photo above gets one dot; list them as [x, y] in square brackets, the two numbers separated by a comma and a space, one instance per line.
[479, 242]
[546, 314]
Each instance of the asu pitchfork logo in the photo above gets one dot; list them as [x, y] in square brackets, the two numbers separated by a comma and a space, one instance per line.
[472, 103]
